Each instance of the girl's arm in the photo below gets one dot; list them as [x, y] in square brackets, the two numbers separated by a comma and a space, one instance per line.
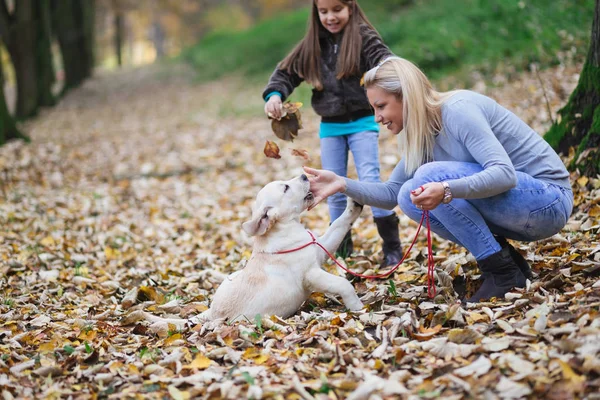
[373, 48]
[467, 123]
[282, 82]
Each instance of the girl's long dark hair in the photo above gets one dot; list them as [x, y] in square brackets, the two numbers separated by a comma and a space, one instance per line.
[305, 58]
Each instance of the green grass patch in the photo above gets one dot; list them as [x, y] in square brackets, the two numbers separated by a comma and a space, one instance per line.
[443, 37]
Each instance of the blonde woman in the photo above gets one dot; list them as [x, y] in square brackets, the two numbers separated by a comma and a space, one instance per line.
[483, 174]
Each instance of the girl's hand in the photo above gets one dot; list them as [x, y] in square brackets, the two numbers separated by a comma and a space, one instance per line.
[323, 184]
[428, 196]
[273, 107]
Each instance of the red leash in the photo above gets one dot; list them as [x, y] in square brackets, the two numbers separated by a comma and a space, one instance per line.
[430, 262]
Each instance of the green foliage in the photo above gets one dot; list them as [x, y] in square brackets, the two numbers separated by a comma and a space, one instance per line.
[441, 36]
[251, 52]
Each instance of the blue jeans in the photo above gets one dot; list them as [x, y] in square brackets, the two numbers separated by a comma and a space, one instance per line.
[365, 151]
[532, 210]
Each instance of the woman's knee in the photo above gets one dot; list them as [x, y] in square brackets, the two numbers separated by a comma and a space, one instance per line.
[405, 203]
[429, 172]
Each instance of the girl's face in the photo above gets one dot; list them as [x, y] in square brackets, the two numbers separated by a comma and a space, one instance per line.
[334, 15]
[388, 109]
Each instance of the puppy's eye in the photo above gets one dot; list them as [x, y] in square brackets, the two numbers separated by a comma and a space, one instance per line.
[286, 188]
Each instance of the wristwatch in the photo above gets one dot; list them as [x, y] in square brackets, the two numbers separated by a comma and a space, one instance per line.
[447, 193]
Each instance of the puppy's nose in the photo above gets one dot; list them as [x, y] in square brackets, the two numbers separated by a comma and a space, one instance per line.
[304, 177]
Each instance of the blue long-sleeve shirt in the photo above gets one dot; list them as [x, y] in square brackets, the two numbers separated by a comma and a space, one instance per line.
[476, 129]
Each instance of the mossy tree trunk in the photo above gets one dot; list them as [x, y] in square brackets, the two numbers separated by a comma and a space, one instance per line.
[8, 128]
[578, 124]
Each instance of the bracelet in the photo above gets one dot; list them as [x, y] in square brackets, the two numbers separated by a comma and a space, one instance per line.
[447, 193]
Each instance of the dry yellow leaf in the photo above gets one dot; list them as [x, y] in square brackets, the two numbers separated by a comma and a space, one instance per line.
[200, 362]
[177, 394]
[169, 341]
[111, 254]
[48, 241]
[88, 335]
[46, 347]
[569, 374]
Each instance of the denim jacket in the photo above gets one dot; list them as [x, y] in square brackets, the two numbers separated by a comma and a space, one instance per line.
[340, 100]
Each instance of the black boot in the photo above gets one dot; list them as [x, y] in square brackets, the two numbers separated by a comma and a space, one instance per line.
[501, 275]
[517, 257]
[388, 231]
[346, 247]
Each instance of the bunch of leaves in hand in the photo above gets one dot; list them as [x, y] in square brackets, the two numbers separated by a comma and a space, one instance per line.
[286, 128]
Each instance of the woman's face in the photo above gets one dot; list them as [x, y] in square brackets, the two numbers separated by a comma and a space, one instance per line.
[334, 15]
[388, 109]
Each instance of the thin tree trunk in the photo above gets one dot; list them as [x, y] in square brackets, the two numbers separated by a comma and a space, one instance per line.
[119, 37]
[8, 128]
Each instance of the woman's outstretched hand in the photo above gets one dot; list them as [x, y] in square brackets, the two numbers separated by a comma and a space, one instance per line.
[323, 184]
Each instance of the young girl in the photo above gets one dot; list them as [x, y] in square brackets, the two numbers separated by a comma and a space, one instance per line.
[482, 173]
[338, 48]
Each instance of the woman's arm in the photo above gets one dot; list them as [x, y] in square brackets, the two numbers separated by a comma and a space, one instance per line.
[383, 195]
[467, 123]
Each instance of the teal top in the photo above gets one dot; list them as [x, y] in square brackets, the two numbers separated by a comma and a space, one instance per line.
[329, 129]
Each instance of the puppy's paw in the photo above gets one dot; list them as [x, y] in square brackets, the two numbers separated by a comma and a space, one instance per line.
[355, 305]
[353, 208]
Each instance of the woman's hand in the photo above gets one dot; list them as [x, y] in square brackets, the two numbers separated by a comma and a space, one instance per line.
[323, 184]
[428, 196]
[273, 107]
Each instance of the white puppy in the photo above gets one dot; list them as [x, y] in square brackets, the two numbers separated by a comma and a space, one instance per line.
[274, 283]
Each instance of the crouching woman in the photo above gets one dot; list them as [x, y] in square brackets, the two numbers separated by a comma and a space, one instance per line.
[482, 173]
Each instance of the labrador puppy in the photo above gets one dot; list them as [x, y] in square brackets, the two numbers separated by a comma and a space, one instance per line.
[276, 282]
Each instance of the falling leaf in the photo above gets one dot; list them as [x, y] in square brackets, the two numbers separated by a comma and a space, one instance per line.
[301, 153]
[271, 150]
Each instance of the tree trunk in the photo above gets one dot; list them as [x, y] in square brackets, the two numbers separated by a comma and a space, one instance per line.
[21, 46]
[8, 128]
[579, 121]
[119, 37]
[84, 16]
[69, 36]
[44, 63]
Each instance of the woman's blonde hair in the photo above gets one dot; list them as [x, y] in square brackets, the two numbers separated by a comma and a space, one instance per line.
[421, 107]
[305, 58]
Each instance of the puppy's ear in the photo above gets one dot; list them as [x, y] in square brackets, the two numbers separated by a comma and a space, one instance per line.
[260, 223]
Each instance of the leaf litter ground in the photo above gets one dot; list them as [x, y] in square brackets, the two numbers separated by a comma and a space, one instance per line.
[120, 219]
